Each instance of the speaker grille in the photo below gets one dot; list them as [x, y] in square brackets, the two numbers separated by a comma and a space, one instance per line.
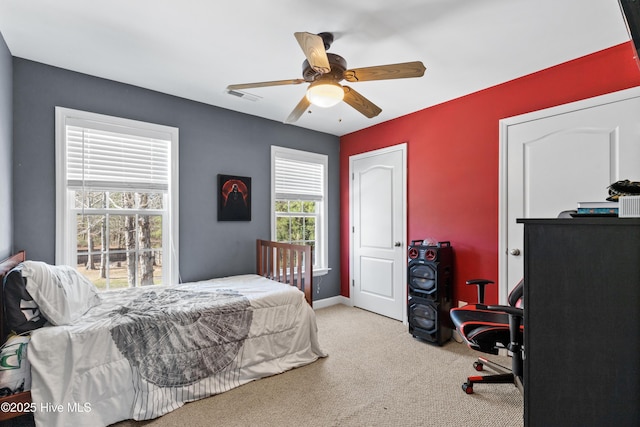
[422, 277]
[430, 254]
[424, 316]
[629, 207]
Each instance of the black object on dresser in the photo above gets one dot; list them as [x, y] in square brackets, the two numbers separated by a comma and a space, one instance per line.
[430, 280]
[582, 320]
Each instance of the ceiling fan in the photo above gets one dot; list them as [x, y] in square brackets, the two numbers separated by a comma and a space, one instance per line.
[325, 70]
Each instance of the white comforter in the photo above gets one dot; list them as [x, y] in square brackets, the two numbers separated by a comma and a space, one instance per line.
[119, 361]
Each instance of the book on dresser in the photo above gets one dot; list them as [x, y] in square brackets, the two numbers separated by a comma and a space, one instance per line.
[598, 208]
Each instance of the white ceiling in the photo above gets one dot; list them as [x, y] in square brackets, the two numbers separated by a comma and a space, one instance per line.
[195, 48]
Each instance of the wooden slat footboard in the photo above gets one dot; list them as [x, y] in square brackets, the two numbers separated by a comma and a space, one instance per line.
[286, 263]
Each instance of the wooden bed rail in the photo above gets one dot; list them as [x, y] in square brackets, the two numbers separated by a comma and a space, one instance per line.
[286, 263]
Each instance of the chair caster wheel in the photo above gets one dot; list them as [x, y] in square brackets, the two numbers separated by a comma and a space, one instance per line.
[467, 388]
[478, 366]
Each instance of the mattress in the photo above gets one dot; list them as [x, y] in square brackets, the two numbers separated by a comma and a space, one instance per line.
[144, 352]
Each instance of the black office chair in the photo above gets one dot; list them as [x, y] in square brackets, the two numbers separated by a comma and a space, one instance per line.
[489, 329]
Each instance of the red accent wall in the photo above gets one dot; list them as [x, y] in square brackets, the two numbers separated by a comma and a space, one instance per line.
[453, 158]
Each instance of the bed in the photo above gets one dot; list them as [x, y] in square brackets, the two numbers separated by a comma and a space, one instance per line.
[143, 352]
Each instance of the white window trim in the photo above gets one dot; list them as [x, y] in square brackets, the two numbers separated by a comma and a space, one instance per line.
[322, 257]
[65, 226]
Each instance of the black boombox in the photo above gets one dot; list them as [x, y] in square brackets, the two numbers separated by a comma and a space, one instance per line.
[430, 282]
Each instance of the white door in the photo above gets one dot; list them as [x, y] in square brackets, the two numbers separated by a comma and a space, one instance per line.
[378, 226]
[555, 158]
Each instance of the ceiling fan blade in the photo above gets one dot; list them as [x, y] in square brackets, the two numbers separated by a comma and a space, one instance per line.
[313, 47]
[297, 112]
[360, 103]
[265, 84]
[384, 72]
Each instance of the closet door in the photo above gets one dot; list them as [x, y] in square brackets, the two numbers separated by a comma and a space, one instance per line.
[553, 159]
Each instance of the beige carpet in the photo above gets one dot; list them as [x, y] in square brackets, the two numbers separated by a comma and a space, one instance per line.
[376, 374]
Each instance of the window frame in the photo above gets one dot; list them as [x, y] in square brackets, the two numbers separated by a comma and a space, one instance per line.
[321, 266]
[66, 231]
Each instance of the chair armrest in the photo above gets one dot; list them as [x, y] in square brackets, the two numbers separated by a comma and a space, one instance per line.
[480, 283]
[507, 309]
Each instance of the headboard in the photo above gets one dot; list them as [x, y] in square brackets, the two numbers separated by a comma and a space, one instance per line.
[286, 263]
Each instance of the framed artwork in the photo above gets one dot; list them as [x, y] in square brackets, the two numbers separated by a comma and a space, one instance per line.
[234, 198]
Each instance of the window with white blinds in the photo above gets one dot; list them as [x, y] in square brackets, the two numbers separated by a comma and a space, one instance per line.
[106, 156]
[116, 199]
[299, 201]
[299, 179]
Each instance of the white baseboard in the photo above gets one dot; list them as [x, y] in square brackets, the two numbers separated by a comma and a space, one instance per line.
[328, 302]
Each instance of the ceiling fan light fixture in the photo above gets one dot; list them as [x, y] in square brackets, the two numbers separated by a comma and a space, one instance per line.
[325, 94]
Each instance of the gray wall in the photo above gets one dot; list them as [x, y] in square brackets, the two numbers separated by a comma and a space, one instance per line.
[6, 115]
[212, 141]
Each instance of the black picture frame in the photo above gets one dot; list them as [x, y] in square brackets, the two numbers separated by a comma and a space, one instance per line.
[234, 198]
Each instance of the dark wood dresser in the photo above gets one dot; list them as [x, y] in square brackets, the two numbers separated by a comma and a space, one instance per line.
[582, 322]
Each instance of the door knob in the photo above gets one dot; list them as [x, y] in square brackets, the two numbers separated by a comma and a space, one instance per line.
[515, 252]
[397, 244]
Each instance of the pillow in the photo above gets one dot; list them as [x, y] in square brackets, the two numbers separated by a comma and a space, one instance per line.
[61, 292]
[15, 375]
[21, 311]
